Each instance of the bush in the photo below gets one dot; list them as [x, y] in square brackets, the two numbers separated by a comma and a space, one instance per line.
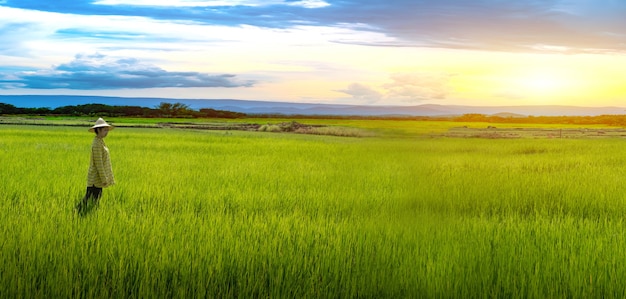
[270, 128]
[337, 131]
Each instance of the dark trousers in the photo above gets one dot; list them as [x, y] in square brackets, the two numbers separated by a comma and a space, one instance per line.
[93, 193]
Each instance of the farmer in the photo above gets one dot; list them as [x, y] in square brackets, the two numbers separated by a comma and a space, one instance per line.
[100, 172]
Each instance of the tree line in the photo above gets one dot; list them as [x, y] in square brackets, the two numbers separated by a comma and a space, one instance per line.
[178, 110]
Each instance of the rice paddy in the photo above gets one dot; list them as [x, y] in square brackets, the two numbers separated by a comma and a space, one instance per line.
[404, 212]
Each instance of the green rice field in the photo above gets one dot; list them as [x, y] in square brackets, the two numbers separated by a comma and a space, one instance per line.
[405, 212]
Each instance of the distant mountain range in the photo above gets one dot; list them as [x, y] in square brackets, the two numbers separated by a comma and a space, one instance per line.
[266, 107]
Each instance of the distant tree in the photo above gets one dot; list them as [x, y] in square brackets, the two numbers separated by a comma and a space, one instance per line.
[212, 113]
[129, 111]
[174, 110]
[472, 117]
[180, 109]
[8, 109]
[165, 109]
[35, 111]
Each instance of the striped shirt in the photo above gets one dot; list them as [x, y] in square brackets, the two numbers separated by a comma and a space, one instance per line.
[100, 171]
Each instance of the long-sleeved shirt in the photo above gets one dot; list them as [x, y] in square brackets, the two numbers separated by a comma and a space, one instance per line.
[100, 170]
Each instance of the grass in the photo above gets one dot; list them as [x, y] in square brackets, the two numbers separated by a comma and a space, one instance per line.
[254, 214]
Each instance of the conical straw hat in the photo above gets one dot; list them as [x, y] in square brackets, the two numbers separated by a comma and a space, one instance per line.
[101, 123]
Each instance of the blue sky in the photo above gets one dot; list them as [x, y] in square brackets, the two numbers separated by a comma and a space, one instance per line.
[394, 52]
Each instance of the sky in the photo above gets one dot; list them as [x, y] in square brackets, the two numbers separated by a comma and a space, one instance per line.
[362, 52]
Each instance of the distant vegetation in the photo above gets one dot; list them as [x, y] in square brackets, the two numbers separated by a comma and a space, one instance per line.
[180, 110]
[612, 120]
[177, 110]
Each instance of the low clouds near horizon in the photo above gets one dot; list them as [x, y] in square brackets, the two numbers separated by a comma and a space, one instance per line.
[98, 72]
[404, 88]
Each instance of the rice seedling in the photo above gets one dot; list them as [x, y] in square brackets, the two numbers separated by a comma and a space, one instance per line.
[254, 214]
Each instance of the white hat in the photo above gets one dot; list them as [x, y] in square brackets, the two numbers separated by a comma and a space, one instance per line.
[101, 123]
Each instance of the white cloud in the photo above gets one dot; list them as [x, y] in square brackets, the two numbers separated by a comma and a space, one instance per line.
[404, 88]
[179, 3]
[310, 3]
[416, 87]
[362, 93]
[214, 3]
[52, 34]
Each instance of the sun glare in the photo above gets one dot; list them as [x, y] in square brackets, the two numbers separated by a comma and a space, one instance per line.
[543, 84]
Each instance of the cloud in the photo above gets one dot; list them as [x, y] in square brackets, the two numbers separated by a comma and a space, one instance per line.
[12, 37]
[363, 93]
[416, 87]
[99, 72]
[571, 25]
[214, 3]
[554, 26]
[405, 88]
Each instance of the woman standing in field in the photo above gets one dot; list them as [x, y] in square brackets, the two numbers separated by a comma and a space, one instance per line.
[100, 171]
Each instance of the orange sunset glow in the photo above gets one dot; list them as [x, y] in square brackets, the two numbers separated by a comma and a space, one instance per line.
[335, 52]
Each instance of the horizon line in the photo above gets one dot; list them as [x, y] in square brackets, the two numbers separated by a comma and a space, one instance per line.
[302, 103]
